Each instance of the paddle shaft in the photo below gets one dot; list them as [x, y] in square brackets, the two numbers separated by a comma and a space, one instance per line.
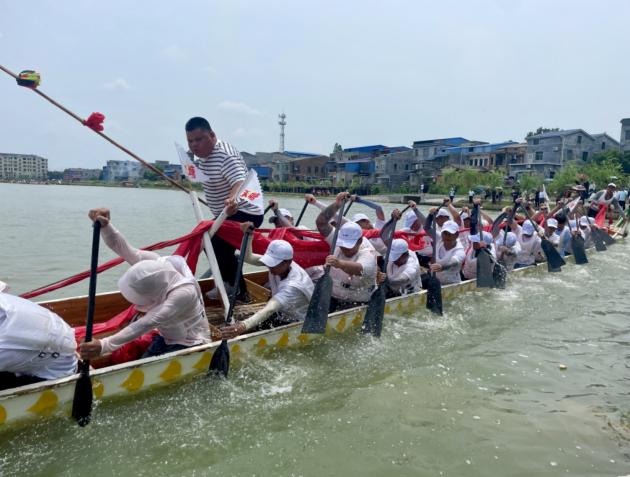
[106, 137]
[301, 213]
[89, 324]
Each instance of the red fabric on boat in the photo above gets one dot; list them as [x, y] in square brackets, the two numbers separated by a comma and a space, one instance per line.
[600, 218]
[134, 349]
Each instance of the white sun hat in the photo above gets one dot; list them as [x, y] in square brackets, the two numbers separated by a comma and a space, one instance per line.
[278, 251]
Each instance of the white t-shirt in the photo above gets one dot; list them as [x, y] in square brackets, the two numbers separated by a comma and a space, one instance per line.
[355, 287]
[451, 261]
[293, 293]
[406, 278]
[530, 248]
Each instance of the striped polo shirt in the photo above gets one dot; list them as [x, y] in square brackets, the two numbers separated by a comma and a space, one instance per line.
[224, 167]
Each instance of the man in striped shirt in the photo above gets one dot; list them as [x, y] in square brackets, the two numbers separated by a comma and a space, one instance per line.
[226, 170]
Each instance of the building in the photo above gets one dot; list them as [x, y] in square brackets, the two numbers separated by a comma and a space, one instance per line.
[507, 156]
[172, 171]
[625, 134]
[359, 172]
[550, 151]
[393, 169]
[78, 174]
[117, 171]
[23, 166]
[430, 157]
[603, 142]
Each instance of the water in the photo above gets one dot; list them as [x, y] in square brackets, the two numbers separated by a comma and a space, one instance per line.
[478, 392]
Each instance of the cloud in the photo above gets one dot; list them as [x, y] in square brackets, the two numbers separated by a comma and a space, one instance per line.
[209, 69]
[247, 133]
[174, 53]
[239, 108]
[119, 84]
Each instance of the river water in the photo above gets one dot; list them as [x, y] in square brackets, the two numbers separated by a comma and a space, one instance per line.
[477, 392]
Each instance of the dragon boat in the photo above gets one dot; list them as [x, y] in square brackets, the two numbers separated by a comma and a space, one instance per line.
[30, 403]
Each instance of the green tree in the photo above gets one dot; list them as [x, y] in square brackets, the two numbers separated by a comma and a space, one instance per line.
[541, 130]
[530, 182]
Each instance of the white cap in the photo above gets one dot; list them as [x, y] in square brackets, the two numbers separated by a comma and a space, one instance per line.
[450, 227]
[552, 223]
[399, 247]
[612, 184]
[486, 237]
[359, 217]
[443, 213]
[285, 212]
[277, 251]
[464, 216]
[528, 228]
[584, 221]
[410, 218]
[349, 234]
[510, 241]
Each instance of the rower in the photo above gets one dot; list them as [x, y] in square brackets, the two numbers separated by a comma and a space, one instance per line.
[476, 242]
[291, 289]
[163, 288]
[226, 170]
[353, 263]
[551, 231]
[508, 248]
[585, 230]
[35, 343]
[531, 251]
[449, 256]
[604, 198]
[413, 222]
[403, 270]
[282, 217]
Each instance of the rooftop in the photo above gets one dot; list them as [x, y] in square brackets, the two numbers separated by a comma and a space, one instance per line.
[449, 141]
[562, 132]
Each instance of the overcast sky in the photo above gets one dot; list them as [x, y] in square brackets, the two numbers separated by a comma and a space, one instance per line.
[355, 72]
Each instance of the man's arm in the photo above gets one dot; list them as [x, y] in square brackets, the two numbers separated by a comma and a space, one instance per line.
[351, 268]
[380, 215]
[323, 219]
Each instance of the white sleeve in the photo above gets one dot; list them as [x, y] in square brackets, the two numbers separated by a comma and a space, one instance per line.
[117, 242]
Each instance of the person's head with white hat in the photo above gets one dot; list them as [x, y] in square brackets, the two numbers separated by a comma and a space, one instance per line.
[363, 221]
[399, 253]
[286, 213]
[551, 225]
[410, 221]
[278, 257]
[527, 229]
[465, 217]
[481, 240]
[508, 242]
[442, 216]
[350, 239]
[584, 223]
[450, 233]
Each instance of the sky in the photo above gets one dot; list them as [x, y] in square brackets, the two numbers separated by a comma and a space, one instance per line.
[354, 72]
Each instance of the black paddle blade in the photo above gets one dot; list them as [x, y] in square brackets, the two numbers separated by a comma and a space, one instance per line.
[82, 401]
[485, 265]
[600, 246]
[554, 260]
[577, 247]
[434, 295]
[317, 313]
[607, 239]
[373, 319]
[220, 362]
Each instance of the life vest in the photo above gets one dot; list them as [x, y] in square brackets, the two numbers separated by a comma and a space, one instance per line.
[24, 325]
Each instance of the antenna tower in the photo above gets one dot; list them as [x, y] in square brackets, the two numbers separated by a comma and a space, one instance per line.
[282, 124]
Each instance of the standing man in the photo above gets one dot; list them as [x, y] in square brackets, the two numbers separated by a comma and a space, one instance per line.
[451, 194]
[471, 195]
[226, 170]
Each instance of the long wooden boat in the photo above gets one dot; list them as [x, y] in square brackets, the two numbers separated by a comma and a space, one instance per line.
[43, 400]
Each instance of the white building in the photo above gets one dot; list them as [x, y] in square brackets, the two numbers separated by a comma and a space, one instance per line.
[23, 166]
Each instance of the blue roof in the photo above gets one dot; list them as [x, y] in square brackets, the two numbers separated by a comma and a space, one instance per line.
[479, 148]
[449, 141]
[374, 148]
[299, 154]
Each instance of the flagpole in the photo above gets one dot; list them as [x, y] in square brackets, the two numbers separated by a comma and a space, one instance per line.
[212, 259]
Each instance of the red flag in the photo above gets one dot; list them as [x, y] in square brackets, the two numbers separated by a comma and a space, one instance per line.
[600, 218]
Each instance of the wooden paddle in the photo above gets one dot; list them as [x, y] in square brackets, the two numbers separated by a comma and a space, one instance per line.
[317, 313]
[82, 401]
[220, 362]
[301, 213]
[599, 234]
[434, 286]
[554, 259]
[373, 319]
